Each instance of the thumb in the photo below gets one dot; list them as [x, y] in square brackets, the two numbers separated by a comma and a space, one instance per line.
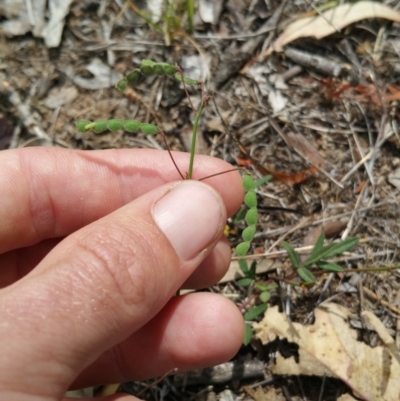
[101, 284]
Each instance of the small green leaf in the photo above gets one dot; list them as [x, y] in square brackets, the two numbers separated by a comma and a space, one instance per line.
[251, 216]
[149, 129]
[81, 125]
[248, 334]
[242, 249]
[115, 124]
[147, 67]
[262, 180]
[132, 125]
[334, 249]
[252, 271]
[100, 126]
[316, 250]
[240, 215]
[244, 282]
[305, 275]
[265, 296]
[243, 266]
[133, 76]
[121, 85]
[293, 255]
[248, 183]
[250, 199]
[252, 313]
[260, 285]
[248, 233]
[331, 267]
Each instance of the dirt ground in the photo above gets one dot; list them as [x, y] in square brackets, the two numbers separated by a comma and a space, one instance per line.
[320, 115]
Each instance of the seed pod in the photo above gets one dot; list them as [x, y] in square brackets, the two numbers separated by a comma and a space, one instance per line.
[188, 81]
[248, 233]
[242, 248]
[115, 124]
[158, 69]
[168, 69]
[251, 216]
[248, 183]
[148, 129]
[100, 126]
[250, 199]
[147, 67]
[81, 125]
[132, 125]
[133, 76]
[121, 85]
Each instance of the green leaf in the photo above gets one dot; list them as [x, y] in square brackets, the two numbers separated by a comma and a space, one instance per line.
[242, 249]
[248, 233]
[244, 282]
[132, 125]
[252, 271]
[334, 249]
[149, 129]
[251, 216]
[317, 249]
[305, 275]
[115, 124]
[100, 126]
[248, 183]
[240, 215]
[248, 334]
[265, 287]
[121, 85]
[243, 266]
[262, 180]
[81, 125]
[252, 313]
[265, 296]
[250, 199]
[329, 266]
[133, 76]
[293, 255]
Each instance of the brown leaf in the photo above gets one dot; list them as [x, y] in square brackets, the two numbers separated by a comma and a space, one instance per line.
[330, 347]
[305, 149]
[332, 21]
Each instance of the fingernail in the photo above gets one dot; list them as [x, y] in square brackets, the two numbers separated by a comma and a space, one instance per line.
[190, 215]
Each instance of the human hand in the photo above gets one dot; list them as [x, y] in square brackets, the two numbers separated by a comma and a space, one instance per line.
[93, 247]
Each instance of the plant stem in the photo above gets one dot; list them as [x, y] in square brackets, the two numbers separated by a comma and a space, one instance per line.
[194, 136]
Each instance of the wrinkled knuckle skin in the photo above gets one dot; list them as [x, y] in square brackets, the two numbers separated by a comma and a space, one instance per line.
[121, 262]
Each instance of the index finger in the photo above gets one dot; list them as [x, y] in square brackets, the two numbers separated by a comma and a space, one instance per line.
[50, 192]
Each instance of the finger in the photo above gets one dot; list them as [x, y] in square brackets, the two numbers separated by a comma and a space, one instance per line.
[114, 397]
[192, 331]
[103, 283]
[18, 263]
[48, 192]
[213, 267]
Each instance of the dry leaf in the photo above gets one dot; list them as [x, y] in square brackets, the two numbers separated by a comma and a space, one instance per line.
[330, 229]
[258, 394]
[330, 347]
[304, 148]
[332, 21]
